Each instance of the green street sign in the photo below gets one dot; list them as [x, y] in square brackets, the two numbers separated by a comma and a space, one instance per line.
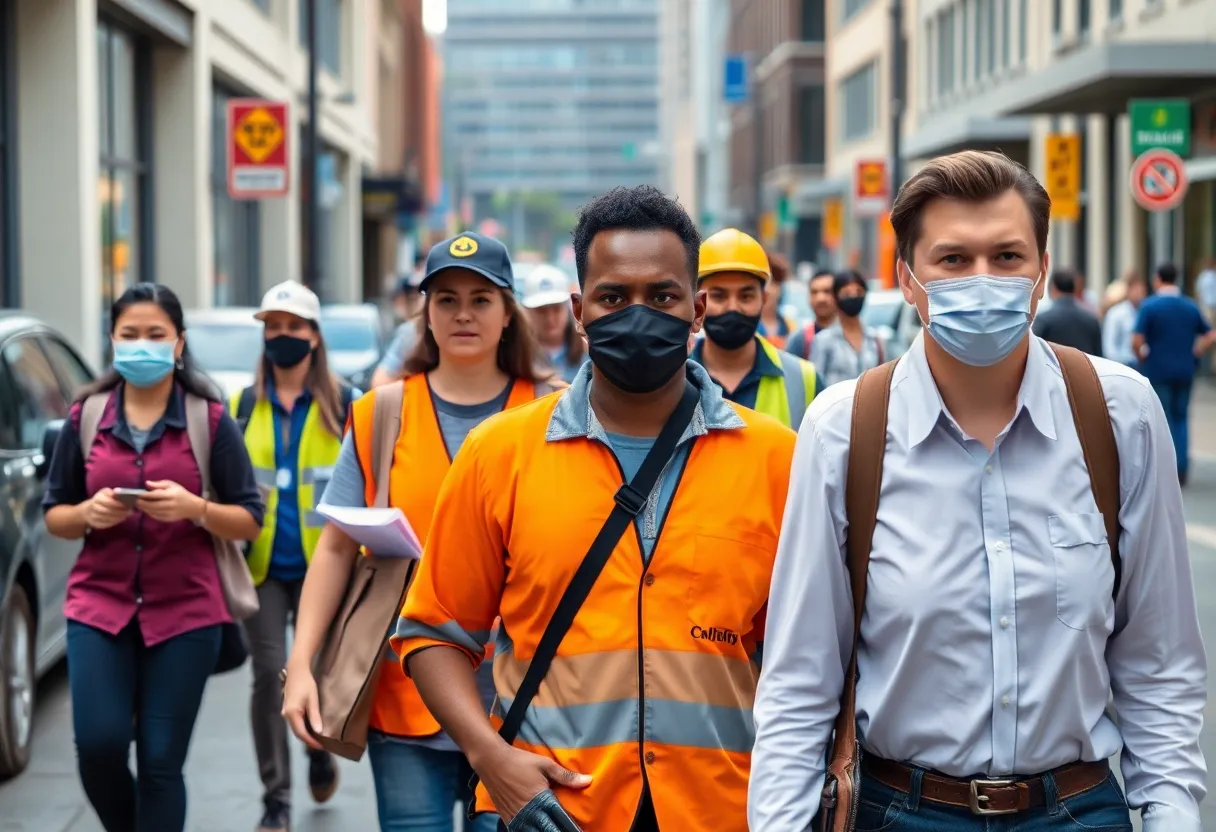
[1160, 123]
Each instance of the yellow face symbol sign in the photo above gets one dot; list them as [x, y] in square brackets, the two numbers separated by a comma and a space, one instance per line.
[259, 134]
[463, 247]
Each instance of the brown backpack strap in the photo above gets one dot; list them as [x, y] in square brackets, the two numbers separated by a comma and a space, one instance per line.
[91, 412]
[198, 430]
[867, 446]
[386, 426]
[1097, 437]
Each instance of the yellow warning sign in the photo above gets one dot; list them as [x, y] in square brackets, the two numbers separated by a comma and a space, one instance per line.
[259, 134]
[1063, 181]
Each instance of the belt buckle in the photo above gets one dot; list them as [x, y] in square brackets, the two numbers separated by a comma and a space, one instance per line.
[978, 800]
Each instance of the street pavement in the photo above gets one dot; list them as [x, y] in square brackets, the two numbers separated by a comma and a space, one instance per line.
[222, 777]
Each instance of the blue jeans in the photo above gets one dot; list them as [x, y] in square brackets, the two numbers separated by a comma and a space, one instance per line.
[1176, 401]
[124, 692]
[1101, 809]
[417, 787]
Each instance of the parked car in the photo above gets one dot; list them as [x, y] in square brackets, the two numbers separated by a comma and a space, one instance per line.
[355, 339]
[40, 375]
[226, 343]
[893, 318]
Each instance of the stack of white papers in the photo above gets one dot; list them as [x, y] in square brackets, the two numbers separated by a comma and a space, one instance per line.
[383, 531]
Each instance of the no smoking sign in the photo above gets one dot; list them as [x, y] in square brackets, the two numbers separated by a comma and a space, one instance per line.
[1158, 180]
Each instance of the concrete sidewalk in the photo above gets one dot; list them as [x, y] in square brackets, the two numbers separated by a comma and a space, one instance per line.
[1203, 418]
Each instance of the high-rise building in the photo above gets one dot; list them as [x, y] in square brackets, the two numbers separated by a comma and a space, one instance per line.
[777, 137]
[548, 97]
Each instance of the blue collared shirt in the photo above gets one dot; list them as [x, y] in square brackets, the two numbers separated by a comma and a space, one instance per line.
[990, 641]
[287, 560]
[749, 388]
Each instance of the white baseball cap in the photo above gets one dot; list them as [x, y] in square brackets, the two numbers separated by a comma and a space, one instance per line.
[293, 298]
[545, 285]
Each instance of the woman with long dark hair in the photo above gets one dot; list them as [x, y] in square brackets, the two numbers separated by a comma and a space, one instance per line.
[145, 605]
[477, 356]
[293, 417]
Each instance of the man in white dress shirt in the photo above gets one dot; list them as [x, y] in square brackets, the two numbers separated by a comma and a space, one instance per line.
[993, 635]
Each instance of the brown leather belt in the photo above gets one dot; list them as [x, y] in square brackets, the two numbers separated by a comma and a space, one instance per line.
[988, 797]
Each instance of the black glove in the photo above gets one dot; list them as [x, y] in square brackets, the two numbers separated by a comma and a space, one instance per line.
[543, 814]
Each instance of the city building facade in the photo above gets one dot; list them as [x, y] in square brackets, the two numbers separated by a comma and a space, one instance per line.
[778, 136]
[114, 138]
[1009, 75]
[557, 97]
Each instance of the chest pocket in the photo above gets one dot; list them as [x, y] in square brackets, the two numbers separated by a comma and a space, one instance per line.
[1084, 573]
[730, 582]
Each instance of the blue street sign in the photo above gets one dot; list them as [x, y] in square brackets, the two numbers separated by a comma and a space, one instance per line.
[735, 82]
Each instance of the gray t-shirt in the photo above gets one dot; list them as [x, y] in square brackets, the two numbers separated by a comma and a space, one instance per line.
[347, 489]
[631, 452]
[139, 438]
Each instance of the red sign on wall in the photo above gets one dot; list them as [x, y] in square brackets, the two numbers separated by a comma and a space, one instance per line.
[259, 164]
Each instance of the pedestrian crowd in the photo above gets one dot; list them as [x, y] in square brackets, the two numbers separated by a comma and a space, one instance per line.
[685, 564]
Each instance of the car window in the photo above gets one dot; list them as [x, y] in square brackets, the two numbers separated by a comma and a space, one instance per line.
[40, 398]
[347, 333]
[225, 347]
[73, 374]
[10, 436]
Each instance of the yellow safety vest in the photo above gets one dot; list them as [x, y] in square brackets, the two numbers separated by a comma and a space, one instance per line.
[786, 398]
[318, 454]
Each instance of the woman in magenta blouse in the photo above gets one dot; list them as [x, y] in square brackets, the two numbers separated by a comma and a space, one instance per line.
[144, 601]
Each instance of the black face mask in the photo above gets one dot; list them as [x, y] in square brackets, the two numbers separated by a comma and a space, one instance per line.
[287, 350]
[851, 307]
[637, 348]
[732, 329]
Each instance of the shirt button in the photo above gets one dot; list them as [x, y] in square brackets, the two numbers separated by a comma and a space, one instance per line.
[1000, 546]
[138, 547]
[649, 757]
[649, 580]
[139, 463]
[139, 600]
[987, 469]
[1004, 623]
[1004, 701]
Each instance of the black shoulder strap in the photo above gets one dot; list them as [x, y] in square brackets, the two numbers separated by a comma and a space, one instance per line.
[244, 407]
[630, 500]
[346, 397]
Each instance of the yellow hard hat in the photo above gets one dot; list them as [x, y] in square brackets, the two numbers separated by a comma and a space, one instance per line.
[730, 250]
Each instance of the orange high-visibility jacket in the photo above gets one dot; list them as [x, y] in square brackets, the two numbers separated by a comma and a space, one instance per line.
[655, 678]
[420, 463]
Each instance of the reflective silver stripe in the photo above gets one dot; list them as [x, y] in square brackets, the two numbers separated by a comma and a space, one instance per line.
[265, 476]
[449, 631]
[795, 387]
[668, 722]
[312, 476]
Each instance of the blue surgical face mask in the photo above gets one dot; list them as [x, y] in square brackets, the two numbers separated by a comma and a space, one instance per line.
[979, 319]
[144, 363]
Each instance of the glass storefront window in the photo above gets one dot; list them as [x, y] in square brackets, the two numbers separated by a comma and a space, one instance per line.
[123, 83]
[236, 222]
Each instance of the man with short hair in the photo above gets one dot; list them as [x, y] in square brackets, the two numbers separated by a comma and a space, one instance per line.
[407, 306]
[1067, 322]
[733, 272]
[1171, 336]
[996, 621]
[823, 307]
[1120, 322]
[643, 721]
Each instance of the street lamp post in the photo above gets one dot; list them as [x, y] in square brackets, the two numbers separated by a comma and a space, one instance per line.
[898, 87]
[312, 204]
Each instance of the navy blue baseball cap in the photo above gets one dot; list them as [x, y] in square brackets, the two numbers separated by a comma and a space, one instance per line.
[475, 252]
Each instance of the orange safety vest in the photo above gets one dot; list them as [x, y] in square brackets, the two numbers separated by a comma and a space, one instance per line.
[654, 682]
[420, 463]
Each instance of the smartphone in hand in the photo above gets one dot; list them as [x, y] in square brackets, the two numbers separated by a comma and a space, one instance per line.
[128, 496]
